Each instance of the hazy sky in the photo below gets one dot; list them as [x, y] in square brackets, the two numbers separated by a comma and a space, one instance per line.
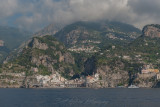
[35, 14]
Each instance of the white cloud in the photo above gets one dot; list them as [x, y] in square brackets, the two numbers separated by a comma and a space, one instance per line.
[35, 14]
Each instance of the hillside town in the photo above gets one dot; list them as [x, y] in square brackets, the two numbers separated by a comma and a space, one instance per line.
[48, 81]
[87, 49]
[149, 71]
[57, 81]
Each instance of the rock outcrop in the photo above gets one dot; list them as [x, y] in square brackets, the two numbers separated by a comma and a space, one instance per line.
[36, 44]
[112, 78]
[110, 66]
[152, 31]
[43, 56]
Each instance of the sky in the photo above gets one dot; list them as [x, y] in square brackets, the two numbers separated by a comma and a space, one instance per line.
[33, 15]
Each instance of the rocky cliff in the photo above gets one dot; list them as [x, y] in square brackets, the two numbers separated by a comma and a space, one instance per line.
[152, 30]
[114, 65]
[43, 56]
[124, 65]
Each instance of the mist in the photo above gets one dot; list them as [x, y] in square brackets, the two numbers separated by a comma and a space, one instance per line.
[33, 15]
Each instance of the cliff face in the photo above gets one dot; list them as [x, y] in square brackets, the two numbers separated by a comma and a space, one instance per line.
[124, 65]
[146, 80]
[109, 66]
[43, 56]
[151, 31]
[111, 70]
[147, 46]
[48, 52]
[112, 78]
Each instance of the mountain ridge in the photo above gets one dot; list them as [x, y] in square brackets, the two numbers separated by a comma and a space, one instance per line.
[116, 65]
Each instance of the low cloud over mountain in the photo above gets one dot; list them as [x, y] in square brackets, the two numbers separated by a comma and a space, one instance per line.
[35, 14]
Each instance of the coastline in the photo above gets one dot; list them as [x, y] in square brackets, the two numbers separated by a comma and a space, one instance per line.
[76, 88]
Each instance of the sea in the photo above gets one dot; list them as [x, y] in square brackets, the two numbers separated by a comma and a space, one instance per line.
[111, 97]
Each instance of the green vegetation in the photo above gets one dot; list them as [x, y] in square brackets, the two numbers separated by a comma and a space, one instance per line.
[44, 70]
[97, 31]
[120, 84]
[25, 58]
[29, 73]
[6, 76]
[100, 77]
[117, 51]
[24, 62]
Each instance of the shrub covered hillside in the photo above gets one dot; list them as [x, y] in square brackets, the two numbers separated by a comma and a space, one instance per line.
[130, 61]
[140, 55]
[91, 37]
[43, 56]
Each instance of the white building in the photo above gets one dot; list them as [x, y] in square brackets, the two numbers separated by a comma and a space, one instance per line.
[158, 76]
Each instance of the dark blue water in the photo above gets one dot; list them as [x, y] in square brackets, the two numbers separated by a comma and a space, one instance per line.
[79, 98]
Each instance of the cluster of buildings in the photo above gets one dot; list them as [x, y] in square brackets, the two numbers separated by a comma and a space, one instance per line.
[88, 49]
[149, 71]
[55, 80]
[146, 71]
[127, 57]
[47, 80]
[11, 79]
[112, 36]
[138, 58]
[92, 79]
[91, 41]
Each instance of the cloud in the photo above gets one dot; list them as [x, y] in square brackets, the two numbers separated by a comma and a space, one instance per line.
[8, 7]
[35, 14]
[146, 11]
[145, 6]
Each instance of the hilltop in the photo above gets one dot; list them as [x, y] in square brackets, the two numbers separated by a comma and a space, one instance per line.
[51, 61]
[90, 37]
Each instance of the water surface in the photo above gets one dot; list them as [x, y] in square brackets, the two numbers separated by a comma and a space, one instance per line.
[79, 97]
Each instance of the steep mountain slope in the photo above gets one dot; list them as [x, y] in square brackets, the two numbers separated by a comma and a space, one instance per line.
[89, 37]
[50, 30]
[120, 63]
[147, 46]
[10, 39]
[131, 61]
[43, 56]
